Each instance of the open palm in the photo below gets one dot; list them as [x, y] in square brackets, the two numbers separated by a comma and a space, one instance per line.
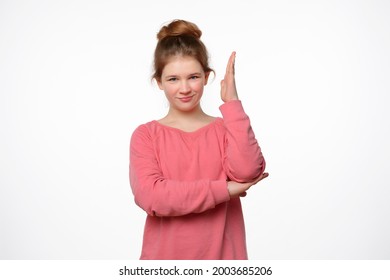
[228, 84]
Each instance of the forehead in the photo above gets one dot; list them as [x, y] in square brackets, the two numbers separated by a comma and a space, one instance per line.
[182, 65]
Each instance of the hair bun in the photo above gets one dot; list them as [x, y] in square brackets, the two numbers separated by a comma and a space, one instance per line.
[179, 27]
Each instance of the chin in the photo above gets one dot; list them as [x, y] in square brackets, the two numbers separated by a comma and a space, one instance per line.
[187, 107]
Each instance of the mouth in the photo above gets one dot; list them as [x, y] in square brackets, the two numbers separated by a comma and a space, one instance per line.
[186, 98]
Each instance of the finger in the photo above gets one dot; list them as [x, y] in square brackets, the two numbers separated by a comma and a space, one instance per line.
[234, 62]
[243, 194]
[231, 62]
[265, 175]
[261, 177]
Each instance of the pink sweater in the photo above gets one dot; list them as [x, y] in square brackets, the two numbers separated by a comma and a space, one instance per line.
[180, 179]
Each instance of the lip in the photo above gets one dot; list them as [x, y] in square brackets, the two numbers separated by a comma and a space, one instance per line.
[186, 99]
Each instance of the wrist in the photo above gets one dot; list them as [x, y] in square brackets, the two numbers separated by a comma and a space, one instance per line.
[231, 99]
[231, 109]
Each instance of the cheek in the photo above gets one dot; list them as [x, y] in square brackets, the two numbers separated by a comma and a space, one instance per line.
[170, 90]
[198, 86]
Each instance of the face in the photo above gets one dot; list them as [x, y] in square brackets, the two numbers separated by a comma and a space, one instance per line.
[183, 80]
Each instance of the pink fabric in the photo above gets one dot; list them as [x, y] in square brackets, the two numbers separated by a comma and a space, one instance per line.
[180, 179]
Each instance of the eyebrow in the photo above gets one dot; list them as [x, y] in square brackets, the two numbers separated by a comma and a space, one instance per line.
[189, 75]
[196, 73]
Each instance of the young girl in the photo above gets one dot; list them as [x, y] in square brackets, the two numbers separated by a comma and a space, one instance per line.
[188, 169]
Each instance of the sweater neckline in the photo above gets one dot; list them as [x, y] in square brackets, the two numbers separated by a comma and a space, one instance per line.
[187, 132]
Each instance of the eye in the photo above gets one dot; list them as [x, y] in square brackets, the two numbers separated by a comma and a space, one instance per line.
[194, 77]
[172, 79]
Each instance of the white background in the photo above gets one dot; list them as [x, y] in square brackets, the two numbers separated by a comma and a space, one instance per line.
[75, 82]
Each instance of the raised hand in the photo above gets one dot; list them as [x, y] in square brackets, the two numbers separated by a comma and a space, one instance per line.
[228, 84]
[239, 189]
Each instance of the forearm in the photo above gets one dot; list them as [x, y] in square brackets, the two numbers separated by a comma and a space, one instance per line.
[162, 197]
[244, 160]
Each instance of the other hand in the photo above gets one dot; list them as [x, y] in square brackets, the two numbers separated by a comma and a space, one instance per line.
[228, 84]
[239, 189]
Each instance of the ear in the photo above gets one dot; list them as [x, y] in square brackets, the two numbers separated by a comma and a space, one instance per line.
[206, 77]
[159, 84]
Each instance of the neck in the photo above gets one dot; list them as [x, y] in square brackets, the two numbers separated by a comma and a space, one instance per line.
[195, 114]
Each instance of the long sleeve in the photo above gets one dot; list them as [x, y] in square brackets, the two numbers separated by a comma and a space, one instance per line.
[244, 160]
[160, 196]
[180, 179]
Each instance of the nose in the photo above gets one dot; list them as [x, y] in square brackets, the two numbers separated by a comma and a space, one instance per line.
[185, 88]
